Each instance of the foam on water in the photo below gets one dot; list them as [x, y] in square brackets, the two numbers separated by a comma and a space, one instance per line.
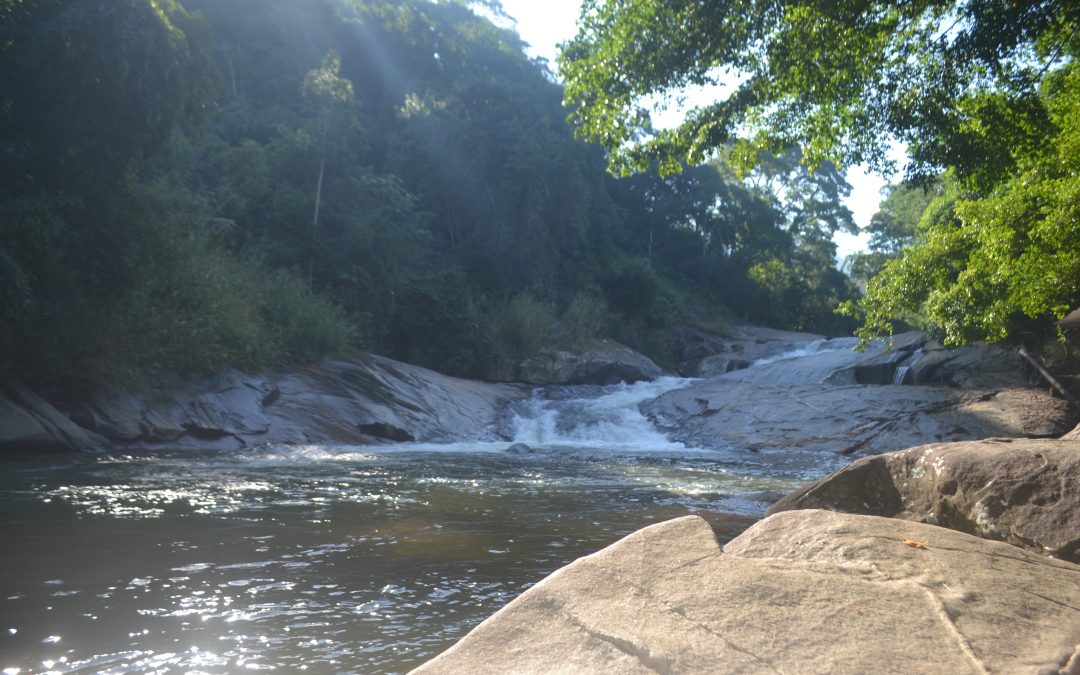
[594, 418]
[810, 348]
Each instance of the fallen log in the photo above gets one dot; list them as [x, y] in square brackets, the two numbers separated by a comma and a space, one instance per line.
[1057, 386]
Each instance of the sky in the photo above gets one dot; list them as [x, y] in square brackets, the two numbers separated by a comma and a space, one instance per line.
[545, 23]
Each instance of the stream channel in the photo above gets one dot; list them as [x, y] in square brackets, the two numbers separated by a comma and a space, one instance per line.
[341, 559]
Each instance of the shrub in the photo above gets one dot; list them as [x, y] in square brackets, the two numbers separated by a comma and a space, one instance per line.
[523, 326]
[584, 319]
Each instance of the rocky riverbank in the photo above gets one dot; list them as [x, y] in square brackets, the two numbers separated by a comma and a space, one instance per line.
[822, 396]
[367, 399]
[769, 389]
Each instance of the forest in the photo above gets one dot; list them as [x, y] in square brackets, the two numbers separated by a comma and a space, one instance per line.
[214, 183]
[189, 186]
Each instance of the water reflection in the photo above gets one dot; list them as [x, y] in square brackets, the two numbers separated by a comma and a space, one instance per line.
[328, 559]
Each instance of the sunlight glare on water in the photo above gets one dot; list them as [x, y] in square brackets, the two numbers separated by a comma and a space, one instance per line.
[340, 559]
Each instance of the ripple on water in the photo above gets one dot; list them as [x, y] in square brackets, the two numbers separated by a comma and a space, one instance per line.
[330, 559]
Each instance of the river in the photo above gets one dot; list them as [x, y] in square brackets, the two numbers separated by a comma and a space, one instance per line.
[341, 559]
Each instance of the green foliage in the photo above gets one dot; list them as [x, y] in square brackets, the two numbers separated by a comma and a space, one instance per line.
[894, 226]
[631, 287]
[584, 319]
[986, 91]
[249, 186]
[438, 323]
[523, 327]
[837, 79]
[1002, 264]
[86, 87]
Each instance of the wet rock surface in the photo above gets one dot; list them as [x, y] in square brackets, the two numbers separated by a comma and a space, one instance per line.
[368, 399]
[824, 396]
[801, 591]
[1024, 492]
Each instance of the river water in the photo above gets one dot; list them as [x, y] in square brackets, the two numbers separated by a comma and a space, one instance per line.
[340, 559]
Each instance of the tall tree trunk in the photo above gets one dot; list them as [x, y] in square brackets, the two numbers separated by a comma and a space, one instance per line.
[318, 202]
[315, 222]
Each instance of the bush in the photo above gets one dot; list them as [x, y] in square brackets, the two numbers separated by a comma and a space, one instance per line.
[584, 319]
[631, 287]
[143, 290]
[523, 326]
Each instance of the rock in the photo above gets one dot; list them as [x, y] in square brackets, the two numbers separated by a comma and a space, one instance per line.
[879, 363]
[386, 431]
[29, 422]
[603, 362]
[362, 400]
[803, 591]
[519, 449]
[690, 344]
[1024, 492]
[711, 366]
[810, 398]
[975, 367]
[727, 413]
[751, 343]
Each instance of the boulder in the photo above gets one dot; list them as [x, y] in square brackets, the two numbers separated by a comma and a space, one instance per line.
[802, 591]
[1024, 492]
[603, 362]
[29, 422]
[366, 399]
[979, 366]
[711, 366]
[689, 344]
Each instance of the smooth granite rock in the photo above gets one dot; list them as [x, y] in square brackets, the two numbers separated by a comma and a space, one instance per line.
[822, 395]
[367, 399]
[1024, 492]
[602, 362]
[800, 592]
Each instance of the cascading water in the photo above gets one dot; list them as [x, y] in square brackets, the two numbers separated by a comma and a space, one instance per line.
[593, 417]
[900, 374]
[815, 347]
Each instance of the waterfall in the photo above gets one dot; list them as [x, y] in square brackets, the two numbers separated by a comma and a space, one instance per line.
[809, 348]
[592, 417]
[900, 374]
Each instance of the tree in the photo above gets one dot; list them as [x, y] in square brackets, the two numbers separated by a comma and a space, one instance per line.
[86, 87]
[989, 267]
[981, 89]
[837, 79]
[893, 227]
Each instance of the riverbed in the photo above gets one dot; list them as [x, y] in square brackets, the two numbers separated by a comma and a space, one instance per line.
[337, 558]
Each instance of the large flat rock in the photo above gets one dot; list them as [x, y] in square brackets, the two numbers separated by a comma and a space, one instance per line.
[758, 415]
[366, 399]
[822, 395]
[1025, 492]
[800, 592]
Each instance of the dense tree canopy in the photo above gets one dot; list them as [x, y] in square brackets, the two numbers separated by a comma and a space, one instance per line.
[195, 184]
[985, 91]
